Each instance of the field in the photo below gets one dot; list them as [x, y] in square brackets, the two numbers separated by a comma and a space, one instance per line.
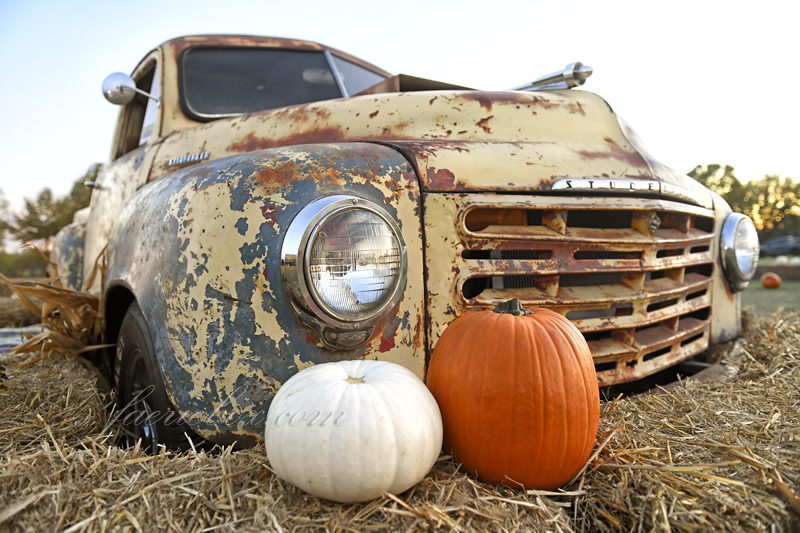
[767, 301]
[715, 455]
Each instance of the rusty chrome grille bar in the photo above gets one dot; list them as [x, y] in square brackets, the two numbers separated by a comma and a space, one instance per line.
[635, 280]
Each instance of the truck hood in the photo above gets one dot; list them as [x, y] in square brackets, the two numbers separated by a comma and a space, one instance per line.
[460, 141]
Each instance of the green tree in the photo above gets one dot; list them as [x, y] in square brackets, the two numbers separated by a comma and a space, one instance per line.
[46, 215]
[25, 263]
[724, 182]
[772, 202]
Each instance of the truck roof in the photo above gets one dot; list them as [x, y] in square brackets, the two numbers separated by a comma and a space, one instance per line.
[179, 44]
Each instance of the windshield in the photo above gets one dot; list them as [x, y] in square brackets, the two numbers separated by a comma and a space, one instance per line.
[219, 82]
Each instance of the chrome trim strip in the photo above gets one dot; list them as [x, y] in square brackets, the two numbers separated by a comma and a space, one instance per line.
[625, 187]
[193, 158]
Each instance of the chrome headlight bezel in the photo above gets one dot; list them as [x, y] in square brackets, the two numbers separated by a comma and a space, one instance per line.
[295, 254]
[737, 277]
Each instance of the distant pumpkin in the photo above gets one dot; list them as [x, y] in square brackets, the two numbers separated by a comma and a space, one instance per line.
[518, 394]
[770, 280]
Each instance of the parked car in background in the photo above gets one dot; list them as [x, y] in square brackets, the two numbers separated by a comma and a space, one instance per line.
[787, 245]
[273, 204]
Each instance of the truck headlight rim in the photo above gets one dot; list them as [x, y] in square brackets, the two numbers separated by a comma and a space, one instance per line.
[299, 240]
[739, 250]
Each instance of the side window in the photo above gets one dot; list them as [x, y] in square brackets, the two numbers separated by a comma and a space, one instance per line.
[140, 114]
[150, 111]
[356, 78]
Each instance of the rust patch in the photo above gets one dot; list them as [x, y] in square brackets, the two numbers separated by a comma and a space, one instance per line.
[417, 342]
[544, 102]
[484, 102]
[271, 213]
[576, 107]
[484, 123]
[279, 177]
[441, 178]
[387, 343]
[232, 299]
[615, 151]
[301, 113]
[251, 143]
[487, 98]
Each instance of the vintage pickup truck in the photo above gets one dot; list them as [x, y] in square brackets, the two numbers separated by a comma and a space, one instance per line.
[273, 204]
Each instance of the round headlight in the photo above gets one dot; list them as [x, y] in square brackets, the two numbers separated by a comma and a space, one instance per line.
[739, 250]
[354, 263]
[344, 261]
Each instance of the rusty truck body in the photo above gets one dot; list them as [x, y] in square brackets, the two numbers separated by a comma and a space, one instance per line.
[274, 204]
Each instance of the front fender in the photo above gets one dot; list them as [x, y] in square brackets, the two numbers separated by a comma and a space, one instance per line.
[200, 249]
[726, 317]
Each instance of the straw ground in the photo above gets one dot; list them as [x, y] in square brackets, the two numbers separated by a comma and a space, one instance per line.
[721, 456]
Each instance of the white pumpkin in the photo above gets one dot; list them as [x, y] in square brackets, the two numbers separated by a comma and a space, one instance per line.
[348, 431]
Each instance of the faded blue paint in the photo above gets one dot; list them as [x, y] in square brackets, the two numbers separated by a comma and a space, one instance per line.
[241, 225]
[225, 322]
[68, 254]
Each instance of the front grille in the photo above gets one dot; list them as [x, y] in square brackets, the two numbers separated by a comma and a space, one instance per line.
[635, 280]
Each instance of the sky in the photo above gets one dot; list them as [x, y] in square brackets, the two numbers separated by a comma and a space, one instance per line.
[701, 81]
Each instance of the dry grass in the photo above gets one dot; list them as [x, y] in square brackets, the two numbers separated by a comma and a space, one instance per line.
[72, 319]
[707, 456]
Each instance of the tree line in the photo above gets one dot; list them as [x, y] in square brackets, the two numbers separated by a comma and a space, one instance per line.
[38, 222]
[772, 202]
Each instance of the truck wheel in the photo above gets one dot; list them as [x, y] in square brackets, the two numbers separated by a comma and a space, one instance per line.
[143, 405]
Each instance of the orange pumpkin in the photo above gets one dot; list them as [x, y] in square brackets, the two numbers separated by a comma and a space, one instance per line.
[770, 280]
[518, 395]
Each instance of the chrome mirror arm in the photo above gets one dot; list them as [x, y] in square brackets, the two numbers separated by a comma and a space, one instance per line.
[573, 75]
[143, 93]
[120, 89]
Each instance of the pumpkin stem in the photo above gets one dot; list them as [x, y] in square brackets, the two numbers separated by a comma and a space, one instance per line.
[351, 379]
[511, 307]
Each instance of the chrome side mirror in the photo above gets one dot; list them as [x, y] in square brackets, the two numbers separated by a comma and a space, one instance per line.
[573, 75]
[120, 89]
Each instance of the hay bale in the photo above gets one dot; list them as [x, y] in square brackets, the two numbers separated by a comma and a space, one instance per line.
[710, 456]
[15, 315]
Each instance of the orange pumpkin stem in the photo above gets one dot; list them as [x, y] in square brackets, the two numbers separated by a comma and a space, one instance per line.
[511, 307]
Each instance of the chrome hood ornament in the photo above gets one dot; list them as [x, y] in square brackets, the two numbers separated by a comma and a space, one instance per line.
[573, 75]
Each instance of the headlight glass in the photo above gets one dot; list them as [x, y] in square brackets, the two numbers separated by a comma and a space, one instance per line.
[354, 264]
[746, 246]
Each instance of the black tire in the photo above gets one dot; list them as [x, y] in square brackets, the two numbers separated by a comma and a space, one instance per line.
[143, 406]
